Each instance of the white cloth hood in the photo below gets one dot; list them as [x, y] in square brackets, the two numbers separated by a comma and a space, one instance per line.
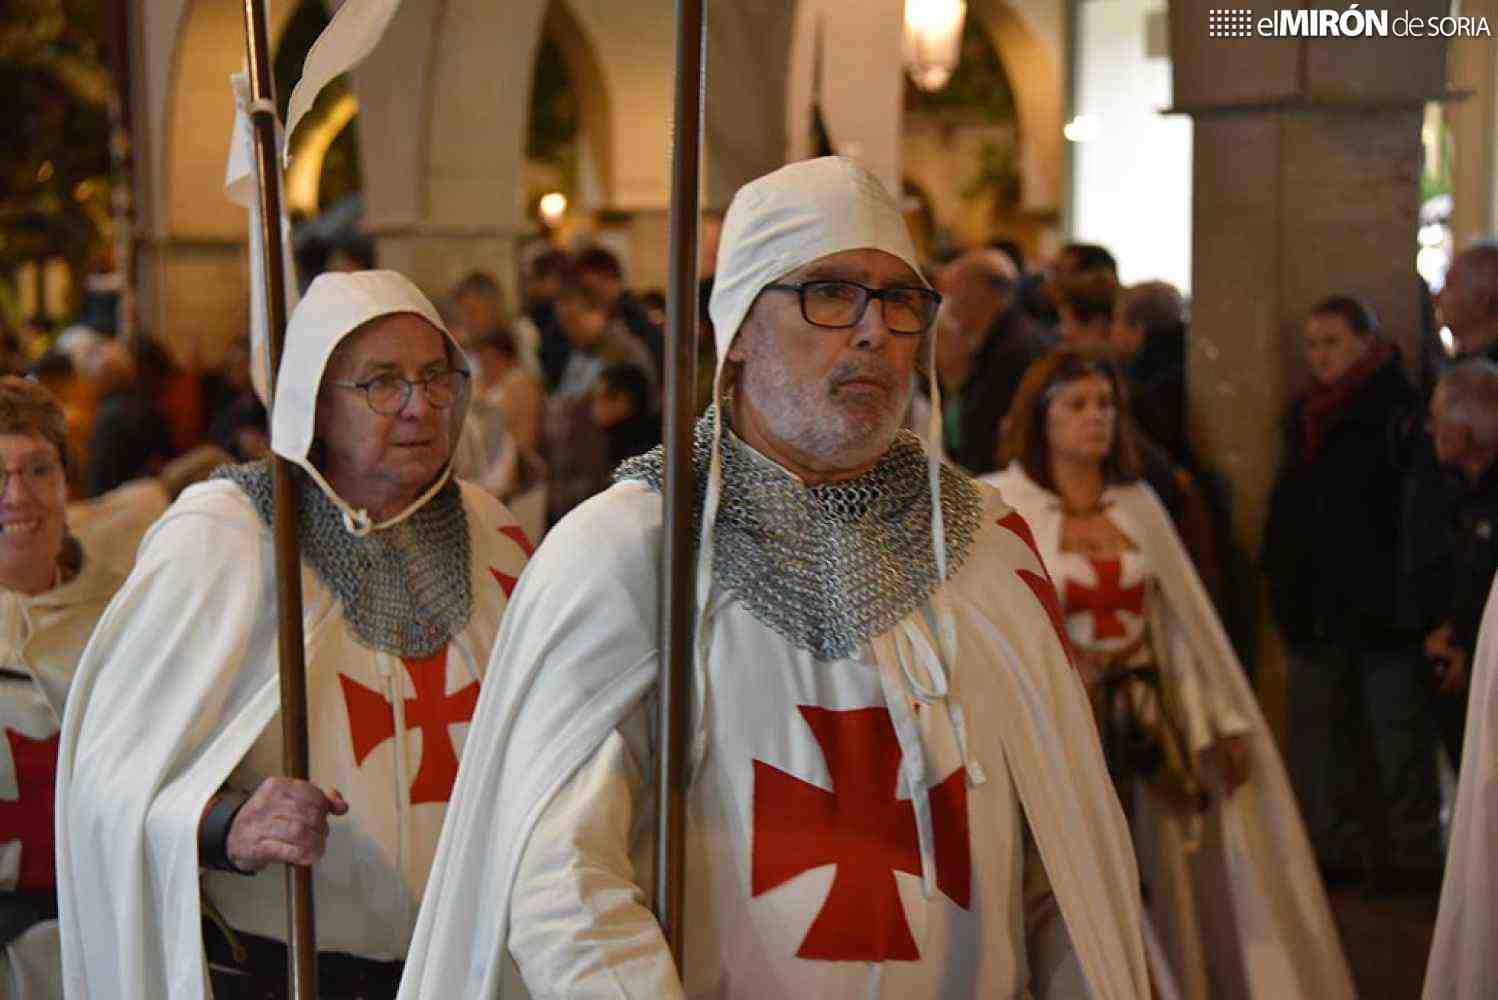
[798, 214]
[335, 306]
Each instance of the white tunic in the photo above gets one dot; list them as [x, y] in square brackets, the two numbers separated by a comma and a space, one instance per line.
[177, 695]
[806, 850]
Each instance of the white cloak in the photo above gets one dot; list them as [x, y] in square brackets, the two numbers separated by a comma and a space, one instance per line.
[577, 654]
[1277, 938]
[42, 637]
[176, 696]
[1463, 961]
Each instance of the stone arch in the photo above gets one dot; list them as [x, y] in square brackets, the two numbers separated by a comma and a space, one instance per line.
[596, 125]
[192, 237]
[862, 81]
[1028, 37]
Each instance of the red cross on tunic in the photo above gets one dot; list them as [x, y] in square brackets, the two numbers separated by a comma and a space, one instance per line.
[1106, 600]
[863, 829]
[372, 722]
[29, 817]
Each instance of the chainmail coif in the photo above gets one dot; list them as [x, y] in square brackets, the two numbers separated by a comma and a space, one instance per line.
[405, 590]
[826, 567]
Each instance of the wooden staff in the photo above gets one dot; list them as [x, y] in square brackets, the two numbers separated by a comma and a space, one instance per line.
[673, 717]
[302, 951]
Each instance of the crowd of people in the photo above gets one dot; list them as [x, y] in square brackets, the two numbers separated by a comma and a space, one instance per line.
[909, 472]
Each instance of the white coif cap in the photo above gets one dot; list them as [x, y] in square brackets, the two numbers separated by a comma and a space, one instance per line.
[334, 307]
[798, 214]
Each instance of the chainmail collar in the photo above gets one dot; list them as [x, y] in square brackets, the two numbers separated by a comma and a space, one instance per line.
[826, 567]
[406, 589]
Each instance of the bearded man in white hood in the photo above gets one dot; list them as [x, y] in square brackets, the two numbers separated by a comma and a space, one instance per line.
[896, 788]
[170, 760]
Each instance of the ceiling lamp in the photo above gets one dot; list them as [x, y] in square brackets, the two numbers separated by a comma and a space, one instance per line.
[932, 44]
[552, 207]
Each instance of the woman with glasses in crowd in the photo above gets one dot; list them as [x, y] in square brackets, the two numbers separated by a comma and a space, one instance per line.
[51, 595]
[1223, 855]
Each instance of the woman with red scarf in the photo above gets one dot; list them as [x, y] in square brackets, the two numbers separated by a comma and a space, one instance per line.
[1330, 553]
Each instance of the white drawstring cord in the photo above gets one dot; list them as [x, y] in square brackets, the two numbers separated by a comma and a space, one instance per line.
[898, 696]
[939, 690]
[394, 688]
[704, 583]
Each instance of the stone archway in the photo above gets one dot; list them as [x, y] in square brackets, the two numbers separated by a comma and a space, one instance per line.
[192, 238]
[1028, 35]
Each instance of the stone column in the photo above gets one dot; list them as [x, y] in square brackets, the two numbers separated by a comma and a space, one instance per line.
[1474, 128]
[1306, 166]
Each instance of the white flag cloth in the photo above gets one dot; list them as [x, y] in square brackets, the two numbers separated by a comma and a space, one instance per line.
[351, 36]
[1464, 955]
[242, 185]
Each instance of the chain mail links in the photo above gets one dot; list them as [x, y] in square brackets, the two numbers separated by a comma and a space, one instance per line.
[406, 590]
[826, 567]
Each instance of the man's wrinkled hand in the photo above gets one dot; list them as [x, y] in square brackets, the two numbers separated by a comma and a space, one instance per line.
[286, 821]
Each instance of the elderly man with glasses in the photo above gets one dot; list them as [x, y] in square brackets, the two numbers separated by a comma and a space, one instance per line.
[896, 786]
[171, 754]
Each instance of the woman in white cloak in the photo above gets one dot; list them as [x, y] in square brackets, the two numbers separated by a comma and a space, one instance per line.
[1230, 884]
[51, 596]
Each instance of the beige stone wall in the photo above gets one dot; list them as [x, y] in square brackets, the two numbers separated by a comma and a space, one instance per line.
[942, 160]
[1474, 126]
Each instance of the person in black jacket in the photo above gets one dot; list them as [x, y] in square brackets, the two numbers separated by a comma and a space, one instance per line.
[985, 347]
[599, 271]
[1331, 555]
[1451, 534]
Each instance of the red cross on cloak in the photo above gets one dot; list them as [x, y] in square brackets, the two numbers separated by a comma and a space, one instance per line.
[863, 829]
[372, 722]
[515, 534]
[29, 818]
[1107, 599]
[1039, 583]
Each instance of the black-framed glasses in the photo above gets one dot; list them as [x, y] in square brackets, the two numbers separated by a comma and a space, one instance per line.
[388, 393]
[838, 305]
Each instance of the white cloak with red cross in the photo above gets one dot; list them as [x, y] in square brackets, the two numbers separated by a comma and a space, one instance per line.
[178, 695]
[41, 639]
[1235, 893]
[852, 832]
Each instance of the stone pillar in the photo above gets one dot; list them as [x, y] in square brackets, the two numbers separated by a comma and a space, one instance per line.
[1474, 128]
[1306, 165]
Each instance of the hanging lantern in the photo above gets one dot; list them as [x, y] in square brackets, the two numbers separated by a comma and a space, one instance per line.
[932, 44]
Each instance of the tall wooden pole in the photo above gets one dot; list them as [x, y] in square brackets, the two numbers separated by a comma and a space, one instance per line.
[674, 707]
[302, 950]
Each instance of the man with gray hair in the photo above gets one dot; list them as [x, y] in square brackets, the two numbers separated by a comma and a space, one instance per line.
[1451, 535]
[986, 346]
[1468, 301]
[896, 788]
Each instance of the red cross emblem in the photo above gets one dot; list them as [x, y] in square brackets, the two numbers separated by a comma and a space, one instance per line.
[29, 818]
[372, 722]
[1040, 585]
[515, 534]
[863, 829]
[1105, 600]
